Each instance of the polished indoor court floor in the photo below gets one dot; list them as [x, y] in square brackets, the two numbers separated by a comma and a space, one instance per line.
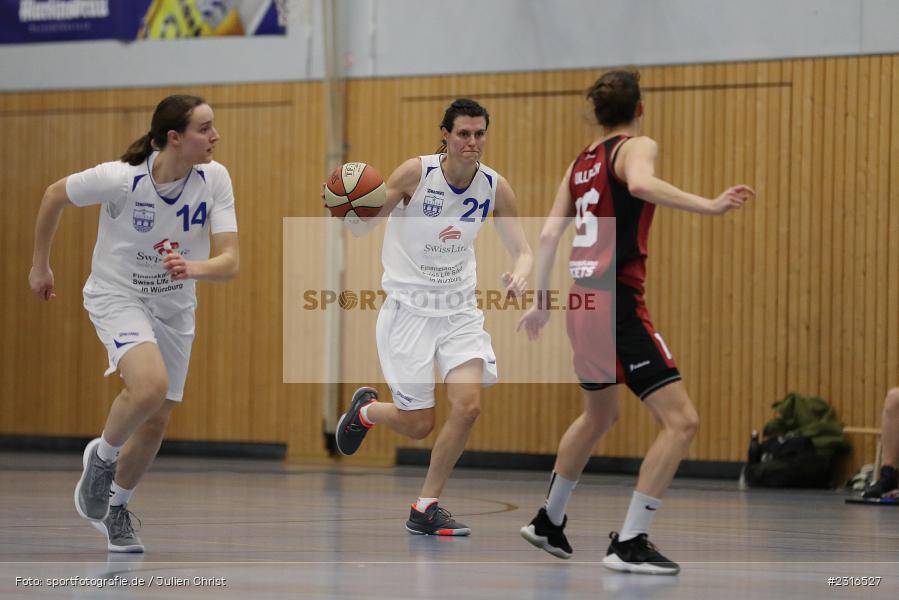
[255, 529]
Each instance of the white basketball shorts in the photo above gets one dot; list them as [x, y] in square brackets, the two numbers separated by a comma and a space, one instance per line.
[122, 322]
[411, 345]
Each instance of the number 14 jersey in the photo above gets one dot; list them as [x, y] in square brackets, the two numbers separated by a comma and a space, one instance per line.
[139, 218]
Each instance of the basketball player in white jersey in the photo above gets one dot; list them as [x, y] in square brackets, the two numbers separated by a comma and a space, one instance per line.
[437, 204]
[160, 204]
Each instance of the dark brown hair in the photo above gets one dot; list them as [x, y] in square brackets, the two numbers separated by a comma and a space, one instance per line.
[172, 114]
[461, 107]
[615, 97]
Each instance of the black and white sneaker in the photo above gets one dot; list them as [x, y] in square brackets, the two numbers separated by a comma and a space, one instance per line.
[350, 428]
[434, 521]
[885, 486]
[637, 555]
[546, 535]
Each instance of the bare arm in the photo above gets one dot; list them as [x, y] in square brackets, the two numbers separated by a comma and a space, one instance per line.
[224, 264]
[556, 223]
[505, 217]
[400, 186]
[40, 278]
[635, 164]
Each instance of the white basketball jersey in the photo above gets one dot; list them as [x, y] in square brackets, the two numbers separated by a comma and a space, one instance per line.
[428, 252]
[139, 219]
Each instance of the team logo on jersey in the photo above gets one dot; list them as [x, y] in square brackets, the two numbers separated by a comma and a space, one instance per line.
[143, 219]
[450, 233]
[161, 249]
[432, 205]
[582, 268]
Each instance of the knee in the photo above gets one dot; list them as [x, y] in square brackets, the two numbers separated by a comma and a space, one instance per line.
[685, 424]
[420, 426]
[691, 423]
[149, 393]
[467, 408]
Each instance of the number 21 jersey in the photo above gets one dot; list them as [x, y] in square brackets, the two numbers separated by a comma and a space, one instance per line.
[428, 253]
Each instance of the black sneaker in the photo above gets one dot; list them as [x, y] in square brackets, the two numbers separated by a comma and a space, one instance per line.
[434, 521]
[350, 429]
[548, 536]
[637, 555]
[884, 485]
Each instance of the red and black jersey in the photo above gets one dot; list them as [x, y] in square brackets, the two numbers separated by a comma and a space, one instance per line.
[597, 192]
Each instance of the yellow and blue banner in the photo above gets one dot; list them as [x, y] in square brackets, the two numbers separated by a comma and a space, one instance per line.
[24, 21]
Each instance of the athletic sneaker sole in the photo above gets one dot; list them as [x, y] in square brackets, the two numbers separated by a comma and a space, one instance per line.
[528, 532]
[337, 437]
[882, 501]
[613, 562]
[441, 532]
[132, 549]
[344, 416]
[85, 459]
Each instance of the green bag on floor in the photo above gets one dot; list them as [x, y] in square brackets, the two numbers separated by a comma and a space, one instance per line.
[812, 418]
[801, 443]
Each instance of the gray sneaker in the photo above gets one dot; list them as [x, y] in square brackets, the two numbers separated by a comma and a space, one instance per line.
[92, 491]
[119, 531]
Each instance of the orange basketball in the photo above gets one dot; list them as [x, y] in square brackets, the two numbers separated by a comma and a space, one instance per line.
[355, 190]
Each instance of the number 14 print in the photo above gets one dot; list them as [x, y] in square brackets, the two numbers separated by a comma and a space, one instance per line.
[199, 217]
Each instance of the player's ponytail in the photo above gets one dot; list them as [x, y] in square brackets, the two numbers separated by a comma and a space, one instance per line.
[615, 97]
[172, 114]
[461, 107]
[139, 150]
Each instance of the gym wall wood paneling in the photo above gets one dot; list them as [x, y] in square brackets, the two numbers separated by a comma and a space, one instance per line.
[797, 292]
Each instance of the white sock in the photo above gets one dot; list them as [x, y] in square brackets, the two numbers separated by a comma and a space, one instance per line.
[108, 452]
[363, 412]
[639, 516]
[119, 496]
[424, 503]
[557, 498]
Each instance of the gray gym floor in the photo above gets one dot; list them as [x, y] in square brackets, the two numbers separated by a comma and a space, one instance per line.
[263, 529]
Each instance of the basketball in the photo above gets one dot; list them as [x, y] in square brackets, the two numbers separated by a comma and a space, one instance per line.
[355, 190]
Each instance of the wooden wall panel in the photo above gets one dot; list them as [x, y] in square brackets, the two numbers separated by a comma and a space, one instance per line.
[798, 292]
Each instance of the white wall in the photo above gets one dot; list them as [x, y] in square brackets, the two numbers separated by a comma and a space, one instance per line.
[412, 37]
